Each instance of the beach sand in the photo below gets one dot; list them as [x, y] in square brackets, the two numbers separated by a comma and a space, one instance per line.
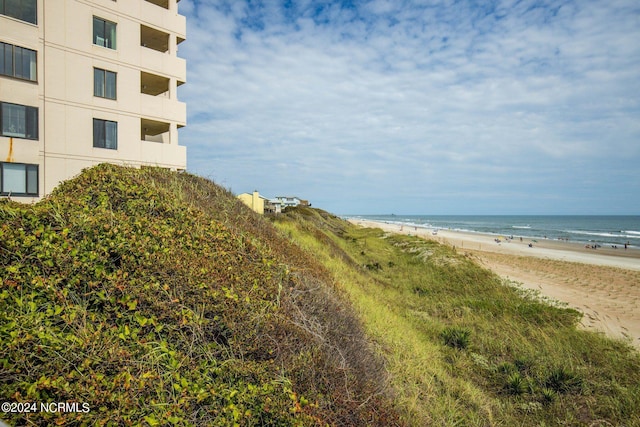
[602, 283]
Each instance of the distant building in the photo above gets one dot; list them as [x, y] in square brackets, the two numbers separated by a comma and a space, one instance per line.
[271, 208]
[289, 201]
[253, 200]
[84, 82]
[263, 205]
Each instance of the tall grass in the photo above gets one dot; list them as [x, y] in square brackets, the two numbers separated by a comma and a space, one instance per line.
[461, 346]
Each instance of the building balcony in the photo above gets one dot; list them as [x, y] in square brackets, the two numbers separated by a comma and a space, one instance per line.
[155, 131]
[166, 155]
[161, 3]
[163, 63]
[163, 108]
[152, 84]
[154, 39]
[163, 18]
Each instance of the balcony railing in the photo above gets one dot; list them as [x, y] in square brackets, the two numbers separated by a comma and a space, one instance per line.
[166, 64]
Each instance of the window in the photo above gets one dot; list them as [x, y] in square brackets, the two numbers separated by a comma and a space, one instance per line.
[104, 33]
[105, 134]
[18, 179]
[104, 83]
[16, 61]
[24, 10]
[18, 121]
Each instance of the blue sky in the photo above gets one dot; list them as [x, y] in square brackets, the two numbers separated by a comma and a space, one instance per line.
[418, 106]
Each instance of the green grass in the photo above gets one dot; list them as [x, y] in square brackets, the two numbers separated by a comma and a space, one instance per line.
[159, 299]
[462, 347]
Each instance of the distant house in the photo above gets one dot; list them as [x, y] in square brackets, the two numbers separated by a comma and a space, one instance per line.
[263, 205]
[253, 200]
[271, 208]
[259, 204]
[289, 201]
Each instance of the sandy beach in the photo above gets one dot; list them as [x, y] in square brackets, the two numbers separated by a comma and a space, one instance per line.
[603, 283]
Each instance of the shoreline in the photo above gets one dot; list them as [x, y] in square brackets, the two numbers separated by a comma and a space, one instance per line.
[560, 250]
[603, 239]
[602, 283]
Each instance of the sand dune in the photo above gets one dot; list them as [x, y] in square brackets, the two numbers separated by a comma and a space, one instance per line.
[602, 283]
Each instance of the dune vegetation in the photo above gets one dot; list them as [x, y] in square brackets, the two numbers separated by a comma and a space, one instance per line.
[158, 298]
[464, 348]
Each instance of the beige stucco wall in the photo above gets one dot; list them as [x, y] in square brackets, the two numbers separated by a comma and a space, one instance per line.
[253, 200]
[66, 57]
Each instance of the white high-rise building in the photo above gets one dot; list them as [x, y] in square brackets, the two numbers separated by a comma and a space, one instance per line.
[84, 82]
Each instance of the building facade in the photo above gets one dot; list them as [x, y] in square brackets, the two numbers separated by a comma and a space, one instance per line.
[289, 201]
[254, 200]
[84, 82]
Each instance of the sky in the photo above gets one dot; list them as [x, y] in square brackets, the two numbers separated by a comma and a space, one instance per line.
[418, 106]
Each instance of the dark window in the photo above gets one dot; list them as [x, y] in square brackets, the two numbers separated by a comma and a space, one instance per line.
[104, 33]
[18, 179]
[104, 83]
[25, 10]
[16, 61]
[105, 134]
[18, 121]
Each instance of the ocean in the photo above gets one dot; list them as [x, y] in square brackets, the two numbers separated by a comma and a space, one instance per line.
[604, 230]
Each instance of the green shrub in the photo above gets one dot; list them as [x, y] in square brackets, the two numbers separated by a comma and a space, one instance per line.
[515, 384]
[160, 299]
[456, 337]
[562, 380]
[548, 395]
[506, 368]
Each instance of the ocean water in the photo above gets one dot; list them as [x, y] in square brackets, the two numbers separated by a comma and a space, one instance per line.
[604, 230]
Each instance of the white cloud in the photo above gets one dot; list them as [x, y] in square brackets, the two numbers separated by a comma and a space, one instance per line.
[385, 100]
